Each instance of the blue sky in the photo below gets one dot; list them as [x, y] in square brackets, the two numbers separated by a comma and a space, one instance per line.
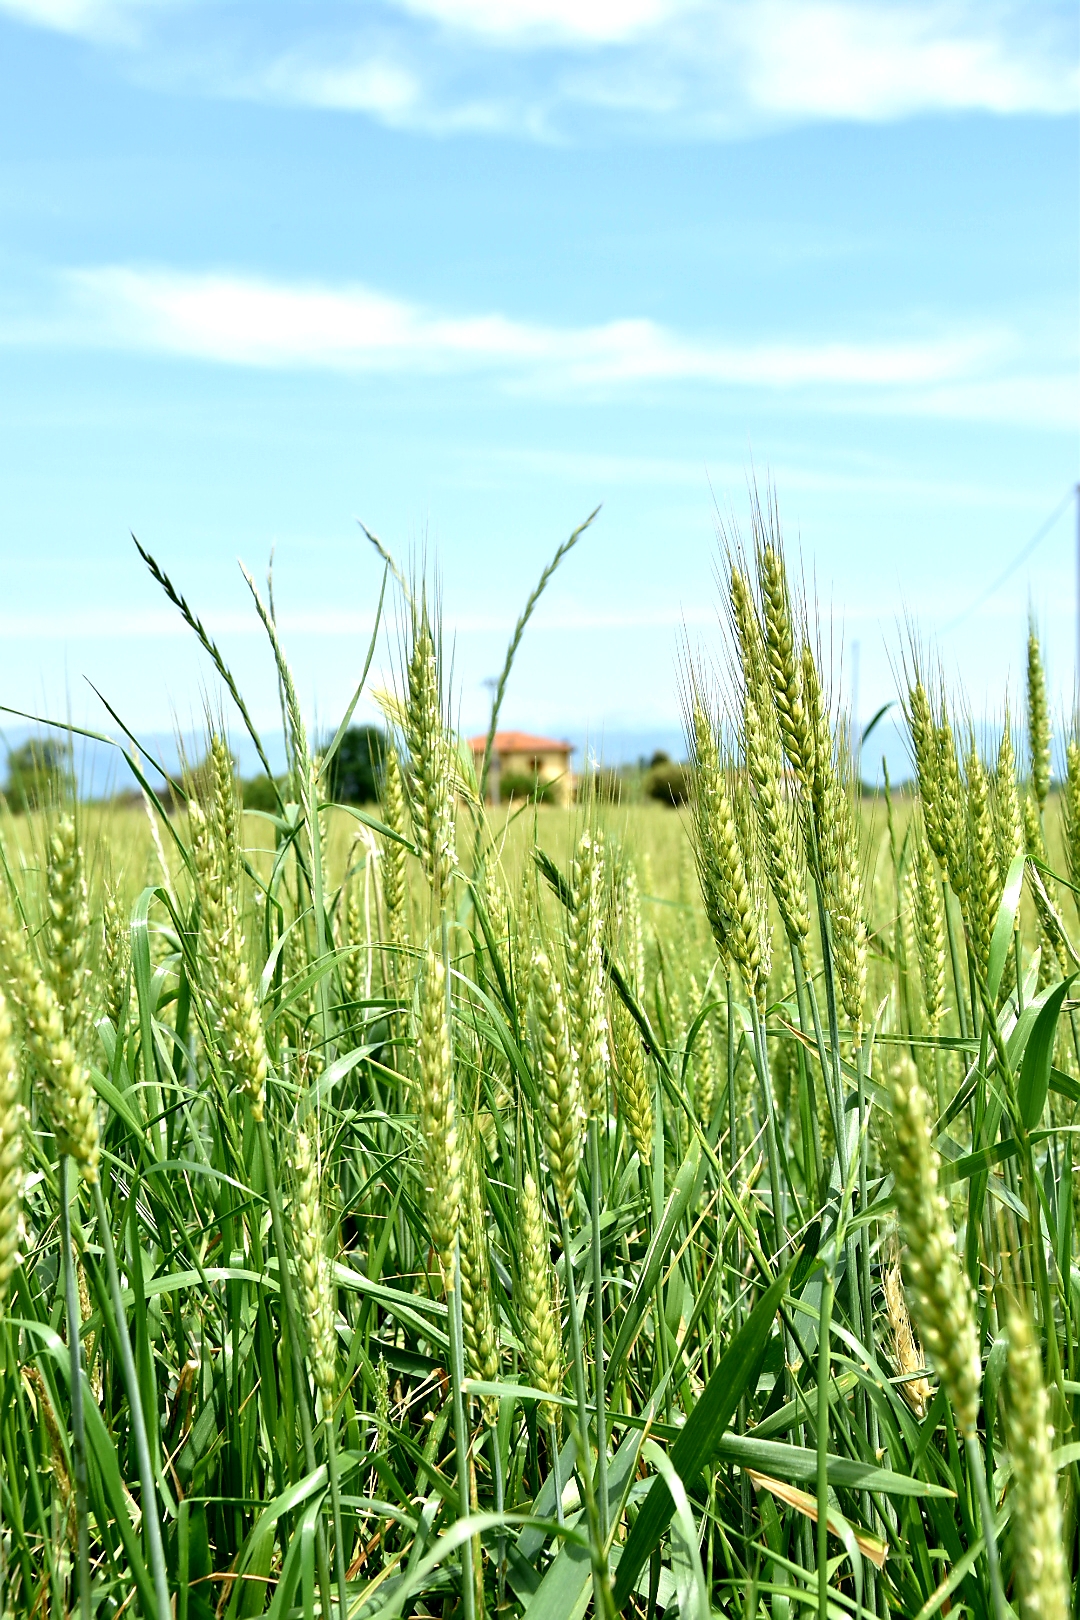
[465, 269]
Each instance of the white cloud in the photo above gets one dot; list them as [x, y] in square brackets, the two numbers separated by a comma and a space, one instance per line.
[838, 60]
[242, 320]
[541, 67]
[114, 21]
[532, 20]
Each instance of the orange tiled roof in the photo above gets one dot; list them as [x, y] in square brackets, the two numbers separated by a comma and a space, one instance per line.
[521, 742]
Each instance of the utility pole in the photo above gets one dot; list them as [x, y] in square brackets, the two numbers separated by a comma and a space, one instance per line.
[1076, 684]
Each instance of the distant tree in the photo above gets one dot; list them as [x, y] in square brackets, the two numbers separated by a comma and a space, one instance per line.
[258, 793]
[39, 773]
[668, 782]
[355, 775]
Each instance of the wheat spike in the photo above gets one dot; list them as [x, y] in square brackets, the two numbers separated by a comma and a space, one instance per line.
[537, 1300]
[585, 1003]
[440, 1152]
[313, 1268]
[12, 1174]
[1038, 720]
[560, 1086]
[940, 1296]
[1038, 1552]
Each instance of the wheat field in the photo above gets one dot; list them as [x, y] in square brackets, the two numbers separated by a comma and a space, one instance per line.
[425, 1209]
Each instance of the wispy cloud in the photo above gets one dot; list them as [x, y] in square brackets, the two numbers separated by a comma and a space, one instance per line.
[241, 320]
[541, 67]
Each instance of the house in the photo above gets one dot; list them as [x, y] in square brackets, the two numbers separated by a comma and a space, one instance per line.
[520, 761]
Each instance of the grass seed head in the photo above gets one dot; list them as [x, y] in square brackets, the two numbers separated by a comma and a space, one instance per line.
[928, 915]
[313, 1268]
[1070, 809]
[439, 1145]
[951, 810]
[536, 1290]
[778, 824]
[983, 894]
[431, 774]
[730, 904]
[631, 1081]
[394, 854]
[1038, 714]
[479, 1328]
[785, 674]
[12, 1118]
[68, 929]
[1037, 1537]
[927, 770]
[937, 1287]
[586, 1007]
[116, 952]
[560, 1086]
[1007, 814]
[69, 1096]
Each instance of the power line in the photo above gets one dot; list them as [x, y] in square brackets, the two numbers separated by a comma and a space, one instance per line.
[1021, 557]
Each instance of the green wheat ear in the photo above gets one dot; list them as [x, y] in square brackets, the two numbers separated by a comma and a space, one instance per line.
[1038, 1549]
[938, 1289]
[537, 1299]
[439, 1147]
[69, 1096]
[313, 1267]
[12, 1172]
[1038, 716]
[562, 1106]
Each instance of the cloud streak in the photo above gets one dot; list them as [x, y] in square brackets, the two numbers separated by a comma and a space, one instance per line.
[548, 68]
[248, 321]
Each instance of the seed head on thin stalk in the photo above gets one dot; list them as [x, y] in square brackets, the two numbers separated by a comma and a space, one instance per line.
[440, 1150]
[479, 1327]
[313, 1269]
[67, 930]
[236, 1015]
[929, 920]
[839, 841]
[1070, 808]
[925, 747]
[431, 766]
[585, 1003]
[1038, 715]
[817, 718]
[394, 854]
[1037, 1536]
[12, 1120]
[937, 1286]
[226, 813]
[779, 829]
[355, 964]
[560, 1087]
[1005, 805]
[382, 1407]
[753, 860]
[631, 1081]
[537, 1300]
[116, 953]
[1044, 893]
[783, 663]
[633, 946]
[951, 810]
[726, 891]
[983, 894]
[68, 1094]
